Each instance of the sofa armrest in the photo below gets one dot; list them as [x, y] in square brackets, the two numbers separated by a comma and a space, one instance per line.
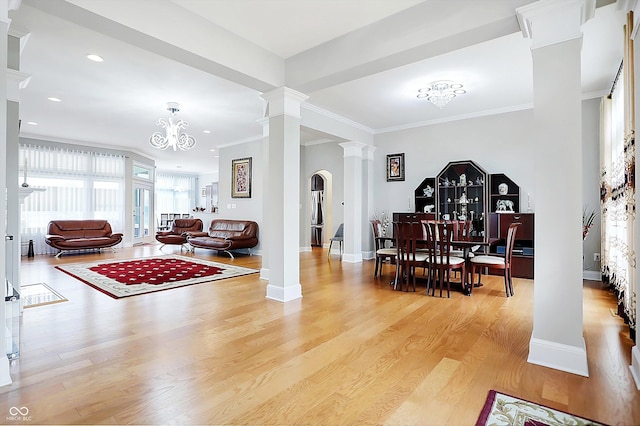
[164, 233]
[117, 235]
[55, 237]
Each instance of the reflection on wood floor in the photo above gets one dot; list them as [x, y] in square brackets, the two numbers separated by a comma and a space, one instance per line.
[351, 351]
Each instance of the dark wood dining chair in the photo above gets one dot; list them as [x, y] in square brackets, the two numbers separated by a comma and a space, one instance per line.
[441, 261]
[384, 247]
[503, 263]
[409, 235]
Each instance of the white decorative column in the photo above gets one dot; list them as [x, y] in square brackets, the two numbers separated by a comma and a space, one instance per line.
[555, 29]
[265, 231]
[5, 6]
[368, 210]
[353, 152]
[282, 191]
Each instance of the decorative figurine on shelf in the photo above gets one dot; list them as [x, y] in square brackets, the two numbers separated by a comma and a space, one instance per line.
[504, 206]
[463, 199]
[446, 182]
[503, 189]
[463, 180]
[478, 181]
[429, 208]
[428, 191]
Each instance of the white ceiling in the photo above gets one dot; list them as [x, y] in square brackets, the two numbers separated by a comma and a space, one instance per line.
[117, 102]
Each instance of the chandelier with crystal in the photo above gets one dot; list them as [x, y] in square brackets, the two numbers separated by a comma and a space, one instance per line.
[441, 92]
[174, 135]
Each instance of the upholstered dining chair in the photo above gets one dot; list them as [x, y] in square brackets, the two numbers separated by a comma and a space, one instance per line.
[408, 237]
[502, 263]
[381, 243]
[339, 237]
[439, 237]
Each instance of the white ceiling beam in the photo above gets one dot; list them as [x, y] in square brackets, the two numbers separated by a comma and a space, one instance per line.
[175, 33]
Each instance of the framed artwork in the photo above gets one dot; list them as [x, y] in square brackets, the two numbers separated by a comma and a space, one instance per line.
[395, 167]
[241, 178]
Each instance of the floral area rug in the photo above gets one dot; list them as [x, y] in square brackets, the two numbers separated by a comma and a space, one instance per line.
[501, 409]
[122, 278]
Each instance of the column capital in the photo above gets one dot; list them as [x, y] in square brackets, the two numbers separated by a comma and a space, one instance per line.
[369, 150]
[284, 101]
[548, 22]
[264, 122]
[16, 80]
[353, 149]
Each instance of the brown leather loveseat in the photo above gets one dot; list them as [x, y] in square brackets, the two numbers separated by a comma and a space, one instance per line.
[225, 235]
[84, 234]
[178, 232]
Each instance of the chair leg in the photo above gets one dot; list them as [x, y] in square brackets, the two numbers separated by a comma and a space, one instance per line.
[375, 269]
[329, 252]
[506, 282]
[510, 282]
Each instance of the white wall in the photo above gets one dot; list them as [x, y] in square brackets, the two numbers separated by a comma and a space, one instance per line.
[591, 181]
[497, 143]
[245, 208]
[329, 157]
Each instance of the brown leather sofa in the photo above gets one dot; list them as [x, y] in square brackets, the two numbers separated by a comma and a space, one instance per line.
[178, 232]
[225, 235]
[66, 235]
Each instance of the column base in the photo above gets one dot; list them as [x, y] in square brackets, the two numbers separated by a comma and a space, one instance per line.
[284, 294]
[635, 365]
[5, 377]
[352, 258]
[572, 359]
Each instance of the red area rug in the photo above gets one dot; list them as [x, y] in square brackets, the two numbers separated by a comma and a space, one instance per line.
[502, 409]
[122, 278]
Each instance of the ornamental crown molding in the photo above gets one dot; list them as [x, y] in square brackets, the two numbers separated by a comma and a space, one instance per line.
[284, 101]
[549, 22]
[16, 80]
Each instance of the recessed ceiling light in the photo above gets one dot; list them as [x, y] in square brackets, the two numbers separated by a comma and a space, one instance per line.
[212, 150]
[33, 123]
[52, 99]
[95, 58]
[206, 131]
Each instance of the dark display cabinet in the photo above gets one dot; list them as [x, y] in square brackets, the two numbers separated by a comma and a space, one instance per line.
[462, 195]
[504, 194]
[522, 259]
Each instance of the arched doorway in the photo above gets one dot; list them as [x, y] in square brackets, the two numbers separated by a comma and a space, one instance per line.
[320, 202]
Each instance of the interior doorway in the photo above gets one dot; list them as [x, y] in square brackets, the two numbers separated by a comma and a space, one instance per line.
[142, 213]
[320, 208]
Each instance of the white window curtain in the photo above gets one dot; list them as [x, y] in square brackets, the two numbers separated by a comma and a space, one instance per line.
[176, 193]
[78, 185]
[618, 195]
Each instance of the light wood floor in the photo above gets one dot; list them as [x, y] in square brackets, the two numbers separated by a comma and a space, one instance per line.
[351, 351]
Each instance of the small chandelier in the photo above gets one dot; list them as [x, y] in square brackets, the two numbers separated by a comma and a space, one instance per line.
[174, 137]
[441, 92]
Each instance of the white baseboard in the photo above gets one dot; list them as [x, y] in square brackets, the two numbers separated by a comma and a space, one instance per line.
[592, 275]
[5, 377]
[635, 365]
[284, 294]
[572, 359]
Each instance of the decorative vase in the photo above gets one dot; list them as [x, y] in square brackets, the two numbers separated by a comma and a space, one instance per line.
[503, 188]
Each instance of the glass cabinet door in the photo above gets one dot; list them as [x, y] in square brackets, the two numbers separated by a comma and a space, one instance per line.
[461, 189]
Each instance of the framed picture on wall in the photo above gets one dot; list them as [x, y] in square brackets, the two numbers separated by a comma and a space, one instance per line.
[241, 178]
[395, 167]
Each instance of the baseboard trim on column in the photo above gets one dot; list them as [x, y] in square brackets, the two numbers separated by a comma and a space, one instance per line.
[635, 365]
[5, 377]
[352, 258]
[284, 294]
[572, 359]
[264, 274]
